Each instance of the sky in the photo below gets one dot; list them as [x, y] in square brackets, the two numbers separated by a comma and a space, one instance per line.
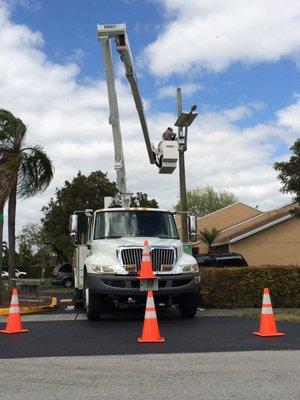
[239, 61]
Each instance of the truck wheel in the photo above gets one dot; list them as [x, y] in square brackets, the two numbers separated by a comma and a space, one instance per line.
[188, 304]
[92, 305]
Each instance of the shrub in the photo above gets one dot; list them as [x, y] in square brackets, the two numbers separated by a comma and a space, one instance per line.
[243, 287]
[35, 271]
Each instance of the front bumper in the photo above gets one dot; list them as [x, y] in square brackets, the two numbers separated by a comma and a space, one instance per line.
[130, 286]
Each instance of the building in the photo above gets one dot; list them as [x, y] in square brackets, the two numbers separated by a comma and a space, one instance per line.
[263, 238]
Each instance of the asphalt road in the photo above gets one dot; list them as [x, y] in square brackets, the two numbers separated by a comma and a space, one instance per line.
[117, 334]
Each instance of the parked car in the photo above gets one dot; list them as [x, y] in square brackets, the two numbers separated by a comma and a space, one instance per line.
[18, 273]
[63, 275]
[4, 275]
[221, 260]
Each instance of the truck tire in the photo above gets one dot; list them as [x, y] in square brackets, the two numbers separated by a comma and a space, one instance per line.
[91, 302]
[78, 298]
[188, 304]
[92, 305]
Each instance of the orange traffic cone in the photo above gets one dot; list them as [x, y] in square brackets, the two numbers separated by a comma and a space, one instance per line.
[150, 332]
[267, 326]
[146, 271]
[14, 323]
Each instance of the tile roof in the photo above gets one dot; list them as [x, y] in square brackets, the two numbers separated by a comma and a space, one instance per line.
[252, 225]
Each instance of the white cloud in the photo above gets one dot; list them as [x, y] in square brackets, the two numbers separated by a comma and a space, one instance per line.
[212, 34]
[76, 56]
[290, 117]
[170, 91]
[71, 121]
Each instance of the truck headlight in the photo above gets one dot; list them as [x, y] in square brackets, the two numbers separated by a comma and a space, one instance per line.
[190, 268]
[104, 269]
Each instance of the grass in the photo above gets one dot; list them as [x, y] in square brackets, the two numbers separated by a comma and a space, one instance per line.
[44, 286]
[55, 289]
[281, 315]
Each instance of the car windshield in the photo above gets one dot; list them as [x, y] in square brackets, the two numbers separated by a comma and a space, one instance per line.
[114, 224]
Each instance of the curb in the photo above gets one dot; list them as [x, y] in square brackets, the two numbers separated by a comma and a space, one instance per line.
[32, 309]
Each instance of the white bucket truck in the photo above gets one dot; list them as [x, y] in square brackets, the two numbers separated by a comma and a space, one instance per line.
[107, 264]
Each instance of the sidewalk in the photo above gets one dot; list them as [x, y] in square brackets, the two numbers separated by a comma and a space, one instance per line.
[71, 315]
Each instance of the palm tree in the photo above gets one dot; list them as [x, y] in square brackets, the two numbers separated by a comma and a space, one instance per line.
[209, 237]
[5, 178]
[30, 168]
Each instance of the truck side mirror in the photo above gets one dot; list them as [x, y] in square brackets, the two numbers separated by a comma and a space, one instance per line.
[73, 227]
[192, 228]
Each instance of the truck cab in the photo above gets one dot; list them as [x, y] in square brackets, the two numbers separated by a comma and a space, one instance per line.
[107, 265]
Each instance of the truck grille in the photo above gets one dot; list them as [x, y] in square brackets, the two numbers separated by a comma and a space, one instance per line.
[159, 256]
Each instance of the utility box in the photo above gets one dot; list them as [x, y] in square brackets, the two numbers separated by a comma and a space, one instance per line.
[187, 248]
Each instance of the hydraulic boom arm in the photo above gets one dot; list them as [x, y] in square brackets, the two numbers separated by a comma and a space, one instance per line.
[166, 155]
[118, 32]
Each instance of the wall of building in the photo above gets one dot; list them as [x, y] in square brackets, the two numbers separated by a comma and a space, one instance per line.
[277, 245]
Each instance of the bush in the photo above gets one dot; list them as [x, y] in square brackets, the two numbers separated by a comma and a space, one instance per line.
[35, 271]
[243, 287]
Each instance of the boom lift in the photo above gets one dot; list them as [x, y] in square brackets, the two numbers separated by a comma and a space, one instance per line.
[166, 154]
[107, 259]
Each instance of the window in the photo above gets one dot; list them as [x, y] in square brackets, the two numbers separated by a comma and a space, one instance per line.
[66, 268]
[115, 224]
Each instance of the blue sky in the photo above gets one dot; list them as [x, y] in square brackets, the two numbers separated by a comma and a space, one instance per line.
[71, 25]
[238, 61]
[69, 31]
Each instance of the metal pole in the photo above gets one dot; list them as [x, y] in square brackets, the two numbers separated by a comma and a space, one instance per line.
[182, 182]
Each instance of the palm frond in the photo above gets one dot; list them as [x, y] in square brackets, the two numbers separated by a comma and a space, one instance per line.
[209, 236]
[12, 129]
[35, 172]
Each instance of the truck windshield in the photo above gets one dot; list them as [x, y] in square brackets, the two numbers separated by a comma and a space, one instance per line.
[114, 224]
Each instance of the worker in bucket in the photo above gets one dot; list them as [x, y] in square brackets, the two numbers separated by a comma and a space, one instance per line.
[168, 134]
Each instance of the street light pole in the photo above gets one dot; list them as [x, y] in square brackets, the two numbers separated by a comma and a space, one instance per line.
[182, 181]
[184, 120]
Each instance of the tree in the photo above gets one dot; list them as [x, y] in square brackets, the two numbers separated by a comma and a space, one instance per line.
[81, 193]
[141, 200]
[205, 200]
[289, 172]
[209, 237]
[33, 250]
[30, 168]
[5, 178]
[32, 237]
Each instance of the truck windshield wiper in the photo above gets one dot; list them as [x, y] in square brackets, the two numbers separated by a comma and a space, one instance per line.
[112, 237]
[163, 236]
